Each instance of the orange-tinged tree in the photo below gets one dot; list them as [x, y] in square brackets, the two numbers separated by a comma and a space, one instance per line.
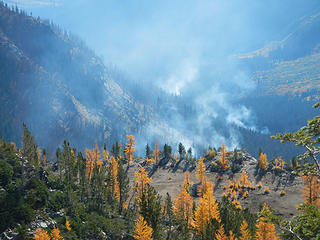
[150, 160]
[201, 217]
[213, 208]
[142, 179]
[279, 163]
[231, 236]
[156, 152]
[245, 233]
[55, 234]
[223, 157]
[187, 182]
[200, 172]
[115, 189]
[245, 194]
[182, 206]
[93, 158]
[263, 163]
[13, 144]
[129, 148]
[206, 210]
[220, 235]
[244, 181]
[175, 156]
[142, 230]
[105, 154]
[265, 230]
[68, 227]
[205, 186]
[41, 234]
[311, 190]
[39, 152]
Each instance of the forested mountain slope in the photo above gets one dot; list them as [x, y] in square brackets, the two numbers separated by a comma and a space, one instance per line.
[51, 81]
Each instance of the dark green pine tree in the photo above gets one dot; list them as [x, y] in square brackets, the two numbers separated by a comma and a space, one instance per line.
[59, 163]
[167, 150]
[181, 150]
[190, 153]
[148, 151]
[82, 177]
[150, 209]
[98, 190]
[29, 147]
[168, 209]
[123, 185]
[168, 214]
[68, 166]
[116, 150]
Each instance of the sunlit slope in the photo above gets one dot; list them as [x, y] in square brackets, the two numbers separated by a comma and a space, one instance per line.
[291, 77]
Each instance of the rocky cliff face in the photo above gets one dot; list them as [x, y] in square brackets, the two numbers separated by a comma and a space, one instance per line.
[51, 81]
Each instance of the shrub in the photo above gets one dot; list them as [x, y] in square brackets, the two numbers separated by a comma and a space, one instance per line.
[245, 194]
[266, 190]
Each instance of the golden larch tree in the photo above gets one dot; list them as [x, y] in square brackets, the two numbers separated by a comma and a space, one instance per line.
[263, 163]
[182, 206]
[311, 190]
[156, 152]
[44, 158]
[201, 217]
[245, 233]
[41, 234]
[220, 234]
[206, 210]
[265, 230]
[213, 208]
[231, 236]
[186, 181]
[142, 179]
[142, 230]
[55, 234]
[14, 145]
[105, 155]
[129, 148]
[200, 172]
[93, 158]
[244, 181]
[205, 185]
[175, 156]
[39, 152]
[279, 163]
[223, 157]
[68, 227]
[115, 189]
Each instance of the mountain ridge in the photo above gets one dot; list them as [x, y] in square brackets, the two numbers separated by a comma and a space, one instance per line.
[62, 81]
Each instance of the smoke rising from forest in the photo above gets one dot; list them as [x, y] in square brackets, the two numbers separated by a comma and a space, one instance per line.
[185, 48]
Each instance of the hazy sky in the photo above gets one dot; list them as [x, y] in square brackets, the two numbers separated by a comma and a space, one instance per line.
[154, 40]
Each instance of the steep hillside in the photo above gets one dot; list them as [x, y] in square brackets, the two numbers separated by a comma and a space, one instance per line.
[300, 39]
[169, 176]
[295, 77]
[290, 65]
[51, 81]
